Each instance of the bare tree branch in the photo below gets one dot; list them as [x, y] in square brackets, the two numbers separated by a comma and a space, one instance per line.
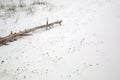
[13, 36]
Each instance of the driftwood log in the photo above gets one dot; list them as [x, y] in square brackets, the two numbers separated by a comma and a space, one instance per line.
[13, 36]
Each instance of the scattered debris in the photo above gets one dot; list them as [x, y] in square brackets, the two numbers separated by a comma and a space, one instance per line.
[2, 62]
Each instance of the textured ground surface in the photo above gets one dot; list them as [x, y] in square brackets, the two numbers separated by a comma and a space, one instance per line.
[85, 47]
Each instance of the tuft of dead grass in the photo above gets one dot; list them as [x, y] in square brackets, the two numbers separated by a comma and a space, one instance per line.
[9, 10]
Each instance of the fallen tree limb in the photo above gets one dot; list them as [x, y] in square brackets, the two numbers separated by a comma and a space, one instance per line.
[13, 36]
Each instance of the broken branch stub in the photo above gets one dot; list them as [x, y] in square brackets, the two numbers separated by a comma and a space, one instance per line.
[13, 36]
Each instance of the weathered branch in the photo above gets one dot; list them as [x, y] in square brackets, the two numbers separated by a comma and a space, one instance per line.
[13, 36]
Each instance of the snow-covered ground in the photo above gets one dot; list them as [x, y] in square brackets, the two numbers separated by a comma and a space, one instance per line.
[85, 47]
